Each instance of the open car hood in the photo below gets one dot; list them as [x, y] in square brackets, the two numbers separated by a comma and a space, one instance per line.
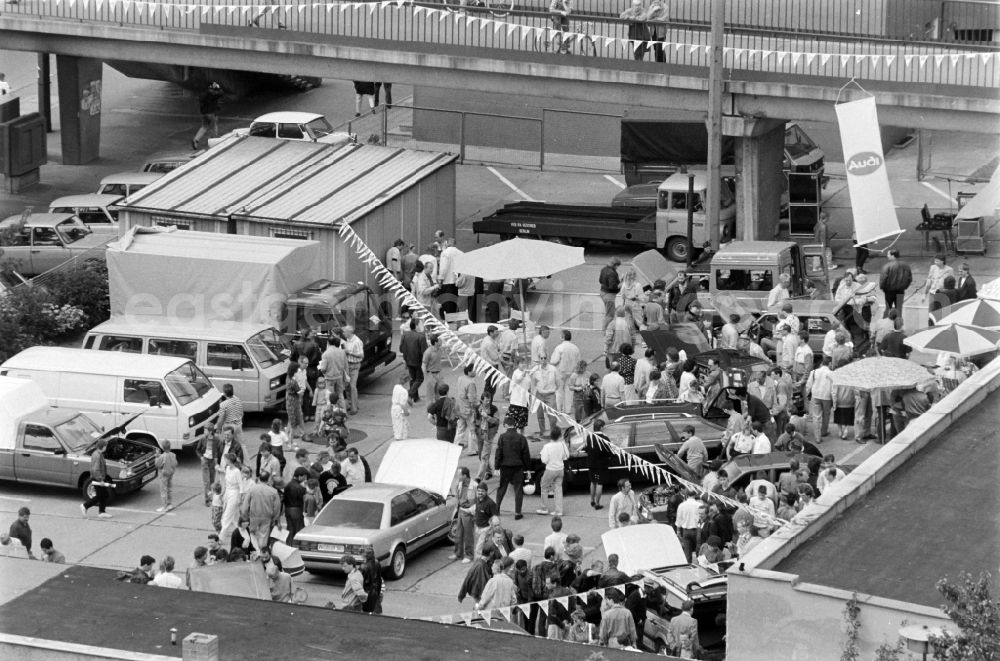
[651, 265]
[423, 463]
[645, 546]
[120, 429]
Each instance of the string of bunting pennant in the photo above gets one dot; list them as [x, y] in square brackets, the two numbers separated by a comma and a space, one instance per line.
[508, 612]
[454, 344]
[528, 32]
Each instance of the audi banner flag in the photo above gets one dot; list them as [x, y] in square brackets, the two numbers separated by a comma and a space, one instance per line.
[867, 179]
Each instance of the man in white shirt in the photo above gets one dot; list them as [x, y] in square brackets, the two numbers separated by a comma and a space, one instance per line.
[819, 385]
[539, 352]
[643, 368]
[353, 469]
[780, 292]
[448, 277]
[355, 350]
[566, 357]
[687, 523]
[554, 455]
[730, 338]
[763, 511]
[394, 259]
[623, 502]
[520, 552]
[761, 443]
[612, 387]
[166, 578]
[490, 353]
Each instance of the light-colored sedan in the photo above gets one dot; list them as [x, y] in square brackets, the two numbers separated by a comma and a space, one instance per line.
[403, 511]
[42, 241]
[290, 125]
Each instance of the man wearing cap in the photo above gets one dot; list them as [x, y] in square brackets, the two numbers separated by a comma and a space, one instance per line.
[610, 286]
[209, 105]
[353, 596]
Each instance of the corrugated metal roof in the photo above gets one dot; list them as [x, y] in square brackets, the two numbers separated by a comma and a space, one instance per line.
[260, 178]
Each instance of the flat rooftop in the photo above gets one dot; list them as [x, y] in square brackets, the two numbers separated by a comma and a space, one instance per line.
[86, 605]
[936, 515]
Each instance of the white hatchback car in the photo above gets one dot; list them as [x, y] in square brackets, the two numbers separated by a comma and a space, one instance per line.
[305, 126]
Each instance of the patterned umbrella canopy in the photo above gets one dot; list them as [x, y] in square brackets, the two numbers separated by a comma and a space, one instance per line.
[518, 258]
[991, 289]
[956, 339]
[881, 373]
[981, 312]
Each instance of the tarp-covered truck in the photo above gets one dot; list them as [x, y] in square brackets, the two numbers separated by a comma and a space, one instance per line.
[653, 150]
[224, 280]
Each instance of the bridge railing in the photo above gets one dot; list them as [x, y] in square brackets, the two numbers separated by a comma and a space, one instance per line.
[779, 50]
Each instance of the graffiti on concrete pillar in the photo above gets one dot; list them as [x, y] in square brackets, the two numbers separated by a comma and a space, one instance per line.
[90, 98]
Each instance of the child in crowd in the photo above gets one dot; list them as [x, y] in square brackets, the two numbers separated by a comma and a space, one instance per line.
[310, 502]
[593, 397]
[166, 464]
[217, 506]
[321, 401]
[279, 441]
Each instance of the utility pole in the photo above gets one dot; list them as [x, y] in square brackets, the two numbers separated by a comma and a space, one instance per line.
[714, 123]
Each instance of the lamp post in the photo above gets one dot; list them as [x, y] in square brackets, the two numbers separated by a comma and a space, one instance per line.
[917, 637]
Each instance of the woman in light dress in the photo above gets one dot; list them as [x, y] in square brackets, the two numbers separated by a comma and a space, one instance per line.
[232, 481]
[633, 299]
[400, 409]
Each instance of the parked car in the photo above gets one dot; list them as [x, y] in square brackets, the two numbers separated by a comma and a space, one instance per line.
[638, 434]
[43, 241]
[305, 126]
[94, 210]
[653, 552]
[163, 162]
[642, 196]
[124, 184]
[403, 511]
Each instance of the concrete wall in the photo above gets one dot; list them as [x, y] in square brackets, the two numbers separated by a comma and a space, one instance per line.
[771, 615]
[24, 648]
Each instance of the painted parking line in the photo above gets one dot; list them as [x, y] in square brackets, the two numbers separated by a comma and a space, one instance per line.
[614, 181]
[939, 192]
[151, 512]
[509, 184]
[20, 500]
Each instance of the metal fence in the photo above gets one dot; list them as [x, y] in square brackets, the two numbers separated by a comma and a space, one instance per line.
[815, 38]
[565, 140]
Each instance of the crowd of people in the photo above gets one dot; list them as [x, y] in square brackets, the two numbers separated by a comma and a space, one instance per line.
[503, 572]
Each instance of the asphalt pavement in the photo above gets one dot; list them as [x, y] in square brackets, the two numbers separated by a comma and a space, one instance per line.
[141, 117]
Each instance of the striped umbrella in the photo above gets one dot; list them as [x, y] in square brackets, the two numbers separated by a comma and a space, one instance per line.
[981, 312]
[955, 338]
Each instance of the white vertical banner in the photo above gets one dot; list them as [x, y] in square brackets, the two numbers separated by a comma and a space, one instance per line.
[867, 179]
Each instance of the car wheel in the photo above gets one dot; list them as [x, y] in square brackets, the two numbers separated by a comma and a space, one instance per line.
[89, 491]
[397, 563]
[676, 249]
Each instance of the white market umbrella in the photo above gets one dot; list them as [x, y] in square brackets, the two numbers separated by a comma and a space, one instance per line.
[956, 339]
[990, 290]
[979, 312]
[518, 258]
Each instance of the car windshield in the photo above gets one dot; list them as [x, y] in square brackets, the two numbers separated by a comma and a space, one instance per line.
[345, 513]
[268, 347]
[72, 230]
[78, 433]
[187, 383]
[319, 127]
[797, 142]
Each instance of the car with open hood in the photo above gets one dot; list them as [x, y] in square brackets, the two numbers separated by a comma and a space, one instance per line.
[34, 243]
[654, 553]
[42, 444]
[401, 512]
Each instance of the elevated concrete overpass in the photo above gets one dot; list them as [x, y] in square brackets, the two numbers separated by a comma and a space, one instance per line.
[788, 76]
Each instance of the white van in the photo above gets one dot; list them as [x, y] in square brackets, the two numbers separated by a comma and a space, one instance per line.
[175, 398]
[252, 357]
[671, 214]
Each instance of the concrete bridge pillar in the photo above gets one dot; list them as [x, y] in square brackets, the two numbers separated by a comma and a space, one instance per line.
[759, 154]
[79, 108]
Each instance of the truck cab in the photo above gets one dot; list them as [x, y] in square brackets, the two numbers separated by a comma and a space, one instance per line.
[326, 306]
[742, 274]
[672, 214]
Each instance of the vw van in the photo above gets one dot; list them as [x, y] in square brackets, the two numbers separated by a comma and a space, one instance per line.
[251, 357]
